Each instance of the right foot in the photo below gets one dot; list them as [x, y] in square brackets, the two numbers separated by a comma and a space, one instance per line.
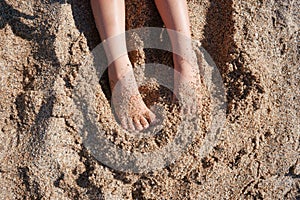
[128, 104]
[187, 85]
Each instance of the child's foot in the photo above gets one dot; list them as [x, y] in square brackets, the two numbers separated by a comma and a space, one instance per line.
[187, 85]
[127, 101]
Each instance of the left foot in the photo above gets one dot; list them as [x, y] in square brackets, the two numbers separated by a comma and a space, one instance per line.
[127, 101]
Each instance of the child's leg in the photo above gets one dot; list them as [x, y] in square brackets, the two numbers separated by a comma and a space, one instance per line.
[129, 106]
[175, 16]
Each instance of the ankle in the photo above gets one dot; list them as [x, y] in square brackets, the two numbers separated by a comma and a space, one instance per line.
[120, 61]
[119, 68]
[182, 65]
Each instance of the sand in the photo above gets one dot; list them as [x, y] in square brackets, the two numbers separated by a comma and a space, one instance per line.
[43, 49]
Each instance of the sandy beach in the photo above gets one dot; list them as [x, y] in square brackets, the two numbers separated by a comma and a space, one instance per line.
[44, 153]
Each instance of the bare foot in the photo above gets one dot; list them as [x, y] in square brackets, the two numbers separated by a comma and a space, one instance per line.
[187, 85]
[127, 101]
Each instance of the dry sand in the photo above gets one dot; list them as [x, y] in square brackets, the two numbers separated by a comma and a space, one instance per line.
[255, 45]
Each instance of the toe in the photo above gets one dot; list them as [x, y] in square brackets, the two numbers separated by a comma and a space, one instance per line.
[137, 123]
[144, 122]
[130, 124]
[124, 123]
[150, 117]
